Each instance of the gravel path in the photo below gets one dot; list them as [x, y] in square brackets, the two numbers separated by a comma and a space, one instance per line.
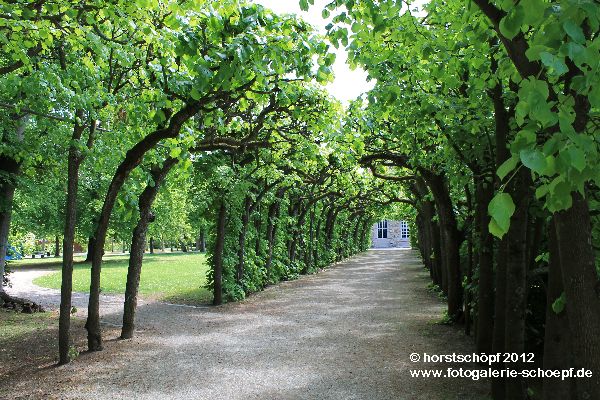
[345, 333]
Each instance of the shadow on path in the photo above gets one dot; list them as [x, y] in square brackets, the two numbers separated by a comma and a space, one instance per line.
[345, 333]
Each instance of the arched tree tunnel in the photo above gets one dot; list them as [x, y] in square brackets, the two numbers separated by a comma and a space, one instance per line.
[207, 122]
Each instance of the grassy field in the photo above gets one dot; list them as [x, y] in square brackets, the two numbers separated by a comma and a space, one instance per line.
[177, 277]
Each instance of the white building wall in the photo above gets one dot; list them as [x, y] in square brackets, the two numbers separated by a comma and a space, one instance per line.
[394, 237]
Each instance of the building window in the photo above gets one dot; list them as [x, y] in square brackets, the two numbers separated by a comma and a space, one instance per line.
[382, 229]
[404, 233]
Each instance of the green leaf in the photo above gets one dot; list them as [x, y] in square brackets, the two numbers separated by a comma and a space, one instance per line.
[541, 191]
[559, 195]
[574, 31]
[523, 140]
[510, 25]
[175, 152]
[576, 52]
[594, 96]
[577, 158]
[196, 95]
[533, 53]
[533, 159]
[557, 64]
[507, 166]
[329, 59]
[560, 303]
[304, 5]
[533, 11]
[501, 209]
[495, 229]
[550, 166]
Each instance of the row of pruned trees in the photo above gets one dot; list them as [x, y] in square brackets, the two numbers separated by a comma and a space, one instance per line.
[115, 97]
[488, 112]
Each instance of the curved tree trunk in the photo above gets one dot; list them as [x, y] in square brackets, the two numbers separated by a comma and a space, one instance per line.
[7, 192]
[258, 228]
[132, 159]
[66, 287]
[138, 246]
[239, 275]
[316, 248]
[218, 255]
[436, 247]
[272, 214]
[450, 241]
[9, 170]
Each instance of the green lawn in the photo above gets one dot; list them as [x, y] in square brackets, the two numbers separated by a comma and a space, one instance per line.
[14, 325]
[171, 277]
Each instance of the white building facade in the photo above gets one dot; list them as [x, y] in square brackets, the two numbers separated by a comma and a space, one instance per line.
[390, 234]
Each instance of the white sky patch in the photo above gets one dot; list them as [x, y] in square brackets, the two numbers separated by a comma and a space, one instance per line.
[348, 84]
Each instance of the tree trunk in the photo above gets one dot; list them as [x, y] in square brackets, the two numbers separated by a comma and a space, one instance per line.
[138, 246]
[469, 282]
[9, 169]
[218, 255]
[516, 281]
[239, 276]
[485, 291]
[450, 240]
[257, 229]
[132, 159]
[66, 288]
[201, 242]
[502, 119]
[580, 282]
[498, 384]
[90, 249]
[271, 230]
[151, 245]
[429, 211]
[557, 339]
[7, 192]
[436, 247]
[316, 248]
[56, 246]
[311, 232]
[330, 225]
[355, 230]
[423, 241]
[366, 234]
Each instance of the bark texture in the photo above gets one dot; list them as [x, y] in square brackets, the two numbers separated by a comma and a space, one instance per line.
[138, 246]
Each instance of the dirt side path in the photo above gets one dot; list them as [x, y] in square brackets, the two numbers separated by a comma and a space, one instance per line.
[22, 286]
[345, 333]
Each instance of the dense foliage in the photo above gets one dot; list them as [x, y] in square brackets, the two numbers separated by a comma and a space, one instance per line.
[155, 124]
[488, 111]
[202, 123]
